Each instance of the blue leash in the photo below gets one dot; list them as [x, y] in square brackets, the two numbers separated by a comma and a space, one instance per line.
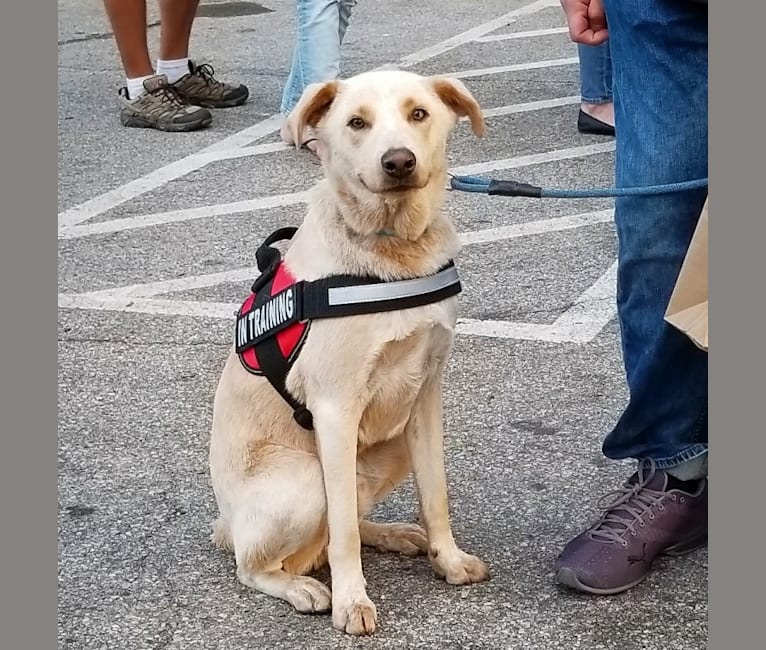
[480, 185]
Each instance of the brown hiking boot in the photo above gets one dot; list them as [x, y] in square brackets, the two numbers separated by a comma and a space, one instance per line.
[161, 107]
[201, 88]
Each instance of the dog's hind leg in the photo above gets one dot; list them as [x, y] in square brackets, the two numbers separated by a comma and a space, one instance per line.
[380, 469]
[407, 539]
[278, 530]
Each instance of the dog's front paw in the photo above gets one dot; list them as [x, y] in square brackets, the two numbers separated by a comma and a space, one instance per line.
[357, 616]
[459, 568]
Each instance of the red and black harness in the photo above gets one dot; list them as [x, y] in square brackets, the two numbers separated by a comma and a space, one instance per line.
[274, 320]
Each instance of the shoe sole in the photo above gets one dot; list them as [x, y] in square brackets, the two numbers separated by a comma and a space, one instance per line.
[227, 103]
[568, 577]
[603, 132]
[135, 121]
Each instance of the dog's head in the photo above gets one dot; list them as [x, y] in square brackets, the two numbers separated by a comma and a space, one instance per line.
[385, 133]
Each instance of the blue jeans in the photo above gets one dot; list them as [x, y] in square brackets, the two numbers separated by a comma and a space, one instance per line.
[595, 73]
[321, 26]
[659, 56]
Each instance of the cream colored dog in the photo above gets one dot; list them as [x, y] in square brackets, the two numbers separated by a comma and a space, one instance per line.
[289, 499]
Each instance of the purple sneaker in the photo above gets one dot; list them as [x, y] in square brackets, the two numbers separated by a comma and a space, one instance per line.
[652, 514]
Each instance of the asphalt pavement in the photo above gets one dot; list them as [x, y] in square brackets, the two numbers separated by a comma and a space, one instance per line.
[157, 238]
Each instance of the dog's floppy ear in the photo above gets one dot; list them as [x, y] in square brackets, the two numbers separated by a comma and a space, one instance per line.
[457, 97]
[313, 104]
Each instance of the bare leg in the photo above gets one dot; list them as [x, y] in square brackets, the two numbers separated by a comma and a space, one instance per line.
[176, 18]
[128, 20]
[603, 112]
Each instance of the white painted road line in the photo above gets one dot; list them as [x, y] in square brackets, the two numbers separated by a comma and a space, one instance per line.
[535, 159]
[280, 200]
[186, 283]
[476, 32]
[528, 107]
[189, 214]
[159, 177]
[581, 323]
[151, 306]
[534, 33]
[536, 227]
[591, 312]
[515, 67]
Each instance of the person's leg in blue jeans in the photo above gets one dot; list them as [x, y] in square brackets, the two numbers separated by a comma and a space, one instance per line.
[596, 114]
[321, 27]
[659, 54]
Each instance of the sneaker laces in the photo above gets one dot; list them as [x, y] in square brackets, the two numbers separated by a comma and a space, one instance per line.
[168, 94]
[206, 71]
[624, 509]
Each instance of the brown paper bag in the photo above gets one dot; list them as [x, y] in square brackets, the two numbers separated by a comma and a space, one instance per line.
[688, 305]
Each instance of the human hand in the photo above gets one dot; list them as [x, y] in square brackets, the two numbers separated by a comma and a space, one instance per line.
[587, 21]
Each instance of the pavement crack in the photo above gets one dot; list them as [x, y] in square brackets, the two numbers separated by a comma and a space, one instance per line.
[98, 36]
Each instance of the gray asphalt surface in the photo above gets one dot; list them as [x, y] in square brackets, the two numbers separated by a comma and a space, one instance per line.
[525, 418]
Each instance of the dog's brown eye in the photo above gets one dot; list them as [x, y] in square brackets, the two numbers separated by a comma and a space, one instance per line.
[356, 123]
[419, 114]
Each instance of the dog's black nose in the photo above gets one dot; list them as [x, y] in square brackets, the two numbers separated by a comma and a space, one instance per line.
[398, 163]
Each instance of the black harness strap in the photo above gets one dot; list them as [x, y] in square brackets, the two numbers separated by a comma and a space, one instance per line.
[332, 297]
[274, 365]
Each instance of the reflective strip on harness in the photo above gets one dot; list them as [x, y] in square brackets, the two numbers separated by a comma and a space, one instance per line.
[399, 290]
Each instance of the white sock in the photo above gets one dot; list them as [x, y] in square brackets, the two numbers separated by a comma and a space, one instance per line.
[136, 86]
[174, 69]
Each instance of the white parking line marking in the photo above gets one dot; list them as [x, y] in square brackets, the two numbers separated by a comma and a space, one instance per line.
[539, 227]
[535, 159]
[188, 214]
[159, 177]
[514, 67]
[186, 283]
[528, 107]
[533, 33]
[581, 323]
[476, 32]
[153, 306]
